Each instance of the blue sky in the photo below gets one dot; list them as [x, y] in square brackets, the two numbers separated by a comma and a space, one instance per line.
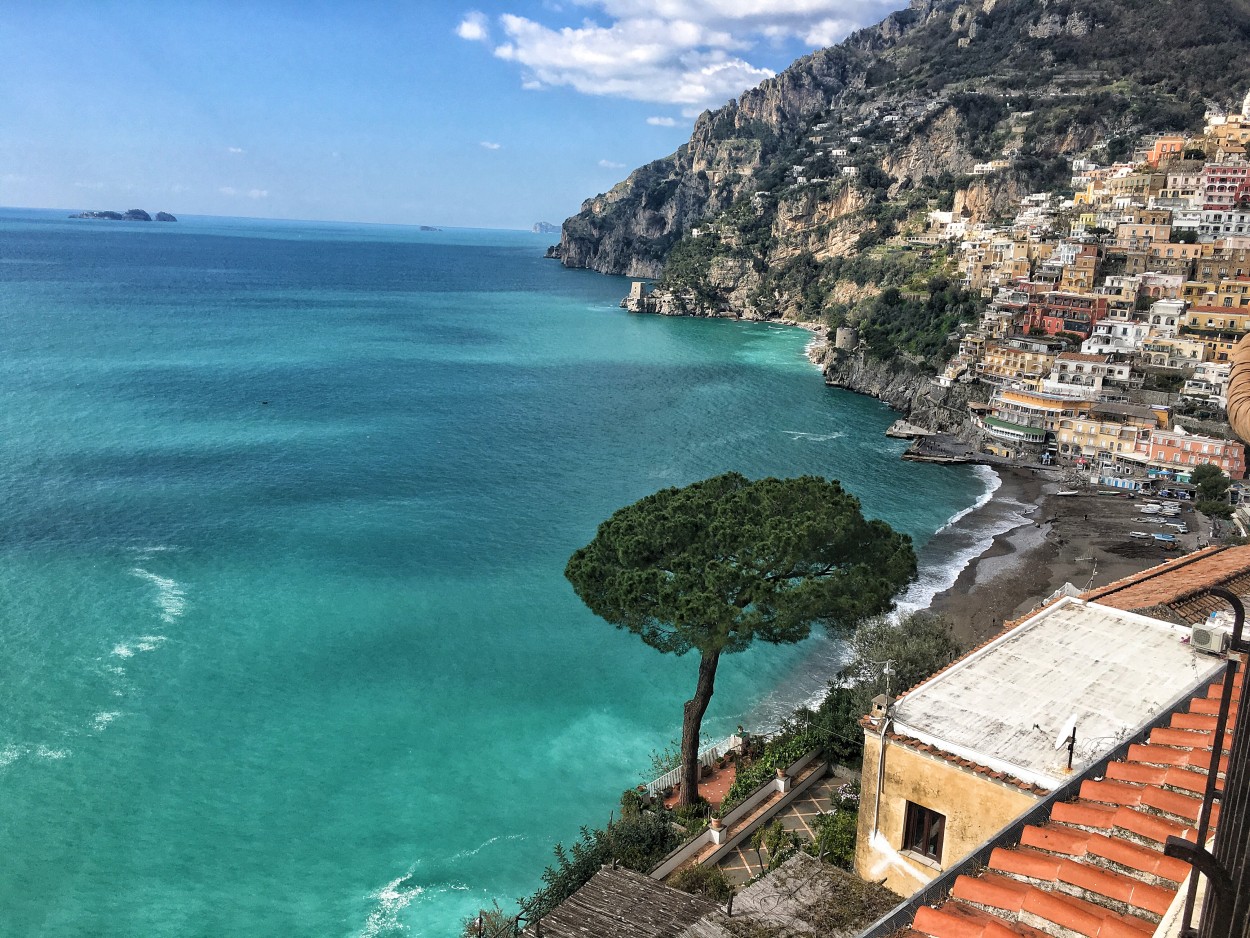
[483, 114]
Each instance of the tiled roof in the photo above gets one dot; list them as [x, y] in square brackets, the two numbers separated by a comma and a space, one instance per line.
[920, 746]
[1097, 867]
[622, 904]
[1173, 589]
[1082, 357]
[1180, 584]
[1001, 706]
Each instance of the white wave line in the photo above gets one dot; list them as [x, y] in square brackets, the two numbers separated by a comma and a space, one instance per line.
[391, 900]
[170, 596]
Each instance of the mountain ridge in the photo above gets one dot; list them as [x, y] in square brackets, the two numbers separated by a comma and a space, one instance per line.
[831, 155]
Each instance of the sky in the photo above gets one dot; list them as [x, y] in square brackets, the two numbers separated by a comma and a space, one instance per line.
[493, 114]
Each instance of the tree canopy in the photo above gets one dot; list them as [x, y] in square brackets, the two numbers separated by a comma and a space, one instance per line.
[916, 645]
[721, 563]
[1210, 480]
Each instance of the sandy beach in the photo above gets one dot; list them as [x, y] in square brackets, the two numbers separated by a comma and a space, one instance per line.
[1080, 539]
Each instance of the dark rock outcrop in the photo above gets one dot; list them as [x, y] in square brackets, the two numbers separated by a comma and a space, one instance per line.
[134, 214]
[905, 386]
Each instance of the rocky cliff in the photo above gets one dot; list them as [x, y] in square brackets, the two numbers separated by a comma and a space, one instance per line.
[905, 385]
[853, 144]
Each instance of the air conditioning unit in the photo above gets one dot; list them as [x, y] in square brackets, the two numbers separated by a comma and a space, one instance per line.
[1211, 638]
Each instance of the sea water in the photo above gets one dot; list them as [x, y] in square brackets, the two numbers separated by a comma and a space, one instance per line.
[285, 645]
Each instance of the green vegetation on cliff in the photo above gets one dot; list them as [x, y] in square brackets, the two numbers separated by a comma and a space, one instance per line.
[848, 150]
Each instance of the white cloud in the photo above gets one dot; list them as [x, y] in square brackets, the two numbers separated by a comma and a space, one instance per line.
[258, 193]
[235, 150]
[228, 190]
[609, 164]
[474, 27]
[688, 53]
[661, 122]
[490, 145]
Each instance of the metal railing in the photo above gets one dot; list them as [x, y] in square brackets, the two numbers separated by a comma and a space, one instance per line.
[937, 890]
[1227, 902]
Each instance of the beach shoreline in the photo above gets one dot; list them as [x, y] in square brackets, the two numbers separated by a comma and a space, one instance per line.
[1082, 540]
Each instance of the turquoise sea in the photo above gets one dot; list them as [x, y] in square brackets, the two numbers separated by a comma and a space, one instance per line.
[285, 647]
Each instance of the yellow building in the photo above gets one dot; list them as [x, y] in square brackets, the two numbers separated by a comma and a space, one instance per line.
[1175, 352]
[966, 752]
[1078, 276]
[1108, 428]
[1003, 363]
[1221, 324]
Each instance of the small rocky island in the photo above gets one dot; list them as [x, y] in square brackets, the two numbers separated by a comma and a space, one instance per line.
[545, 227]
[134, 214]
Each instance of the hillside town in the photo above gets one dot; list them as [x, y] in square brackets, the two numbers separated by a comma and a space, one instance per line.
[1112, 313]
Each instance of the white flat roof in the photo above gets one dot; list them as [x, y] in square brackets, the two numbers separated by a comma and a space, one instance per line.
[1006, 705]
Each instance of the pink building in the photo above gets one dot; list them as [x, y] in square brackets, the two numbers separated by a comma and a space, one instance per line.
[1172, 449]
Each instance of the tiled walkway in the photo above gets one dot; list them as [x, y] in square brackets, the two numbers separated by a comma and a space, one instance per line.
[743, 863]
[713, 788]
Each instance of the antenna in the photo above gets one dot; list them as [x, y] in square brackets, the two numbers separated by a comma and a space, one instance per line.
[1067, 737]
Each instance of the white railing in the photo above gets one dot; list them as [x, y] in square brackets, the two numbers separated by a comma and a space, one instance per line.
[707, 756]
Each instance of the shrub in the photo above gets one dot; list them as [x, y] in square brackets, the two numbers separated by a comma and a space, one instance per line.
[1215, 509]
[495, 922]
[835, 837]
[638, 843]
[706, 881]
[779, 753]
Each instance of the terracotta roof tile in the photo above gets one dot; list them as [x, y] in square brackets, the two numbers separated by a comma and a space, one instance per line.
[1181, 584]
[1096, 867]
[1082, 357]
[912, 743]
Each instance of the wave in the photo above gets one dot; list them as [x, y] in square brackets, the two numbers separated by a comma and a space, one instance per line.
[465, 854]
[391, 900]
[397, 895]
[104, 718]
[814, 437]
[993, 482]
[943, 559]
[171, 598]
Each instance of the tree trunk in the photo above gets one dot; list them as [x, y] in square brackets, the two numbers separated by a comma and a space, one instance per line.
[692, 720]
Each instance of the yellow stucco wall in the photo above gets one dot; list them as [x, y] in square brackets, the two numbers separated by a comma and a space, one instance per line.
[975, 808]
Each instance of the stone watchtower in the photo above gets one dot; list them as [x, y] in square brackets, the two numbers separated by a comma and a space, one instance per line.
[639, 299]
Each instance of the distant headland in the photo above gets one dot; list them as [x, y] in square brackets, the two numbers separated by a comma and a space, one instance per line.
[135, 214]
[545, 227]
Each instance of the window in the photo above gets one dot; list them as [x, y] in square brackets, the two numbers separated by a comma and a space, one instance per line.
[923, 831]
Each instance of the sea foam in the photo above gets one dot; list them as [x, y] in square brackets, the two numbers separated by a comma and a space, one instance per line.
[170, 596]
[390, 901]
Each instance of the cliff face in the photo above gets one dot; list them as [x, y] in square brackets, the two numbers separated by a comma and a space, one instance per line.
[852, 144]
[904, 386]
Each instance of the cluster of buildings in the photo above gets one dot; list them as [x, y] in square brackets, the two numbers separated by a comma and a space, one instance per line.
[1109, 308]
